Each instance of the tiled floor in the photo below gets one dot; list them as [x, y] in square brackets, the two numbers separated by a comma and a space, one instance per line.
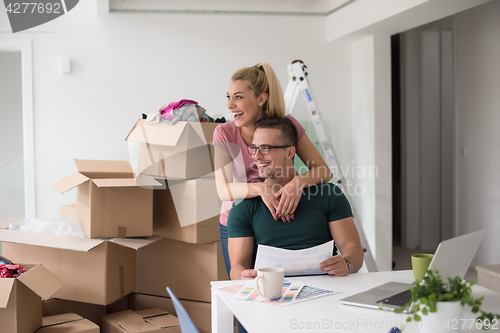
[402, 260]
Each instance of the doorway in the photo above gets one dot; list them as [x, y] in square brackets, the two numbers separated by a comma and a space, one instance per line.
[424, 137]
[17, 163]
[12, 202]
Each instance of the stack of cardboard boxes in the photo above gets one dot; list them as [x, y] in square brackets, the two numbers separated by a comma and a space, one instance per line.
[185, 213]
[157, 229]
[98, 271]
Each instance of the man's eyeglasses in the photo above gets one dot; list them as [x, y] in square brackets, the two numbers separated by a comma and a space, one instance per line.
[263, 150]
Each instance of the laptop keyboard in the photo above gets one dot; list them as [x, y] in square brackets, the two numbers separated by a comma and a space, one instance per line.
[398, 299]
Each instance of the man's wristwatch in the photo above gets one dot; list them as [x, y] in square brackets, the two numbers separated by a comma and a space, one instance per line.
[349, 265]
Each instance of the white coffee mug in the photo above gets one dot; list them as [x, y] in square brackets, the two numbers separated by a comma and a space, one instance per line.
[269, 282]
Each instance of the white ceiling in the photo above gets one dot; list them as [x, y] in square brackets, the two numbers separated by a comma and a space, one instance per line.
[274, 7]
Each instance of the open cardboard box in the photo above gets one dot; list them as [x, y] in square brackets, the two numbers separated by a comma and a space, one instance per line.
[148, 320]
[94, 270]
[92, 312]
[199, 312]
[489, 277]
[110, 202]
[20, 298]
[186, 268]
[67, 210]
[67, 323]
[179, 151]
[187, 210]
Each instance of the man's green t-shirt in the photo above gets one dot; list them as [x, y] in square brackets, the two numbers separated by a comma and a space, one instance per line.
[319, 205]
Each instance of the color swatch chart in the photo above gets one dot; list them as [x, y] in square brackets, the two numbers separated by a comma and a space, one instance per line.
[309, 292]
[289, 294]
[305, 293]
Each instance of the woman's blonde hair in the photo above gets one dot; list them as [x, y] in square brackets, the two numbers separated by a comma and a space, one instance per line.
[262, 79]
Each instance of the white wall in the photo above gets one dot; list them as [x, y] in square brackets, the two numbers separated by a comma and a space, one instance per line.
[363, 119]
[127, 64]
[371, 110]
[478, 120]
[383, 150]
[11, 136]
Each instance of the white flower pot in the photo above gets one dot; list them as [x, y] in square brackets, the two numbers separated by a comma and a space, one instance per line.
[445, 319]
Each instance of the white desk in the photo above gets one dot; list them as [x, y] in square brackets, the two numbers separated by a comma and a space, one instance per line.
[325, 314]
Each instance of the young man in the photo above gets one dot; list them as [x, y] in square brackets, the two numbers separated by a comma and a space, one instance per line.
[322, 214]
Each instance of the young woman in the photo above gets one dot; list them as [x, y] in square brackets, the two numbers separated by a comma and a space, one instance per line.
[254, 93]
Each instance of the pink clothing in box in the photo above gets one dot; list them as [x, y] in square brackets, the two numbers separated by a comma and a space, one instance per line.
[228, 137]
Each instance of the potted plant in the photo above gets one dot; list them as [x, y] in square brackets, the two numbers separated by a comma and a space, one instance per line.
[442, 304]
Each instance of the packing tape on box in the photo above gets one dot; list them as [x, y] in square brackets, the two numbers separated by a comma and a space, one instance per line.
[147, 143]
[122, 231]
[122, 280]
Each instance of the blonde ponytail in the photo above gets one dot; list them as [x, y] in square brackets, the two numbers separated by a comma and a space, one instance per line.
[262, 79]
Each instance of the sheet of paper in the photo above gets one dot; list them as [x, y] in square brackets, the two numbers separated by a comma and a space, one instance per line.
[289, 294]
[295, 262]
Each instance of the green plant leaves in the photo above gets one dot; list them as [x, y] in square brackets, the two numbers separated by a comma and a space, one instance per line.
[425, 296]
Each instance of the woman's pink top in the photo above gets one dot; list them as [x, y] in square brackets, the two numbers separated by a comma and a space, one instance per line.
[228, 137]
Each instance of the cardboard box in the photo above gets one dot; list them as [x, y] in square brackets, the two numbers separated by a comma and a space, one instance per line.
[94, 270]
[57, 306]
[67, 210]
[186, 268]
[67, 323]
[489, 277]
[109, 201]
[179, 151]
[199, 312]
[148, 320]
[20, 298]
[92, 312]
[187, 210]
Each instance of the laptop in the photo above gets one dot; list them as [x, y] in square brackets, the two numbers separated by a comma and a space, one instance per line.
[452, 258]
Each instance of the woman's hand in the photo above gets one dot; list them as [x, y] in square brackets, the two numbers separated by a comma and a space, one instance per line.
[289, 197]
